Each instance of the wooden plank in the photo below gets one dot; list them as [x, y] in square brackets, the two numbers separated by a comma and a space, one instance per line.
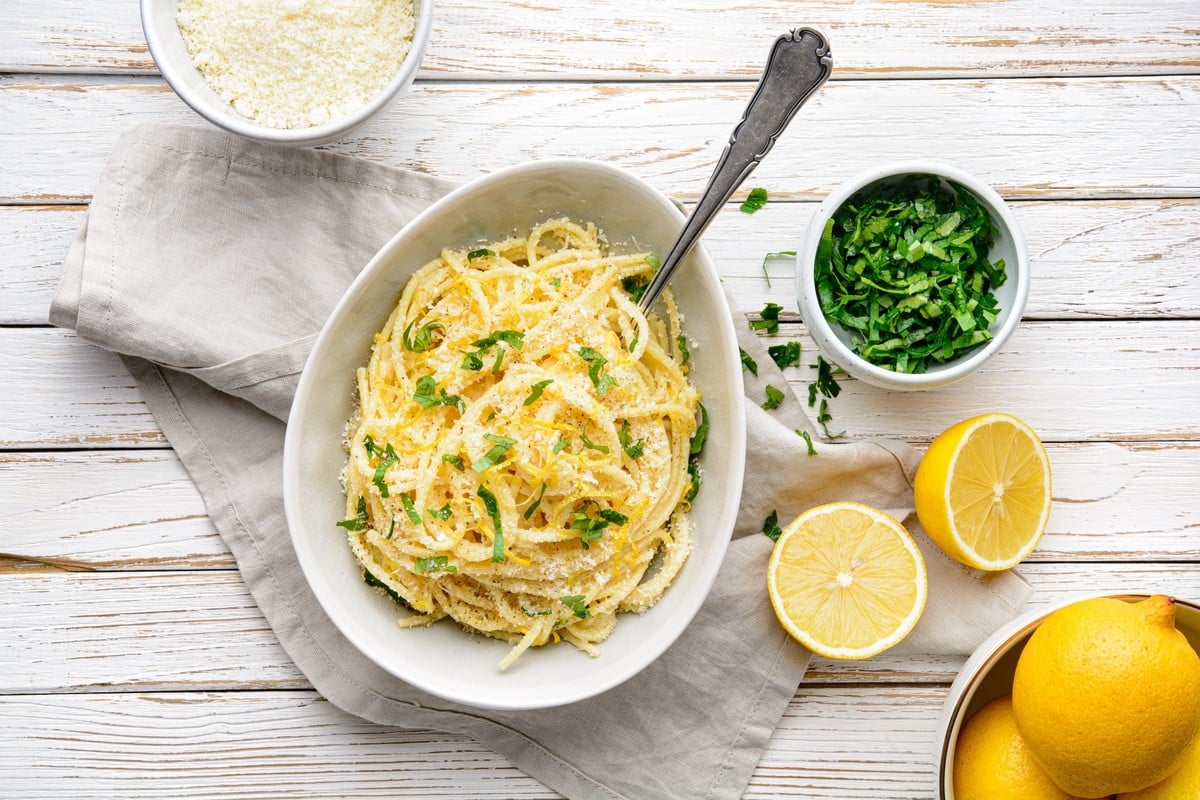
[1092, 258]
[603, 40]
[1072, 381]
[172, 631]
[138, 510]
[1038, 138]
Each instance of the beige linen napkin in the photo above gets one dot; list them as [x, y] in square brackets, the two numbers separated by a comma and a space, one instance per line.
[210, 263]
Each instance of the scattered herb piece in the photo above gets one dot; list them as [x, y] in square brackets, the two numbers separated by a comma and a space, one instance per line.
[471, 361]
[500, 446]
[694, 485]
[812, 450]
[434, 564]
[360, 522]
[536, 390]
[369, 446]
[826, 383]
[774, 398]
[632, 449]
[635, 285]
[480, 253]
[496, 363]
[785, 355]
[695, 447]
[904, 268]
[653, 260]
[770, 256]
[613, 516]
[596, 363]
[493, 510]
[370, 580]
[748, 363]
[576, 603]
[556, 282]
[426, 392]
[423, 340]
[771, 527]
[592, 528]
[755, 200]
[563, 444]
[681, 346]
[452, 400]
[454, 461]
[534, 505]
[812, 394]
[414, 516]
[633, 344]
[701, 434]
[824, 418]
[529, 613]
[389, 458]
[391, 528]
[769, 321]
[442, 513]
[590, 445]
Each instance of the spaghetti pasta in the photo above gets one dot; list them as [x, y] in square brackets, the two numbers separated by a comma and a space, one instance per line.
[521, 456]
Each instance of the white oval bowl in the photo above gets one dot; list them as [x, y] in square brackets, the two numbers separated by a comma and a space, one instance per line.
[443, 659]
[171, 55]
[834, 340]
[988, 674]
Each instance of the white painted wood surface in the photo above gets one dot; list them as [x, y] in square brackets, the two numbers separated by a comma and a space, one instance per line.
[133, 662]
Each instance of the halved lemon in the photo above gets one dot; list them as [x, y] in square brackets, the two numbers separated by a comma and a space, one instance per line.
[846, 580]
[982, 491]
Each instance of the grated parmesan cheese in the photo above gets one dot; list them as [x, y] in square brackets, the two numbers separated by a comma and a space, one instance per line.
[296, 63]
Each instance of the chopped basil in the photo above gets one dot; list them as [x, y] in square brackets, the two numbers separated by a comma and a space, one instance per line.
[590, 445]
[529, 613]
[770, 256]
[434, 564]
[755, 200]
[556, 282]
[370, 580]
[471, 361]
[423, 340]
[596, 363]
[577, 604]
[812, 450]
[391, 528]
[360, 522]
[496, 363]
[653, 260]
[774, 398]
[701, 433]
[500, 446]
[613, 516]
[534, 505]
[635, 285]
[426, 392]
[785, 355]
[474, 360]
[493, 509]
[695, 447]
[748, 363]
[480, 253]
[442, 513]
[681, 346]
[454, 461]
[632, 449]
[633, 344]
[825, 382]
[769, 321]
[389, 458]
[824, 418]
[414, 516]
[771, 527]
[369, 446]
[694, 484]
[563, 444]
[536, 390]
[453, 400]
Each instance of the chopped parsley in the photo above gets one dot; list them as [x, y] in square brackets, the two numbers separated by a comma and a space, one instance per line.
[359, 522]
[774, 398]
[493, 510]
[748, 363]
[812, 450]
[454, 461]
[500, 446]
[755, 200]
[632, 449]
[423, 340]
[370, 580]
[434, 564]
[480, 253]
[771, 527]
[389, 458]
[596, 363]
[589, 444]
[577, 604]
[785, 355]
[534, 505]
[769, 321]
[414, 516]
[442, 513]
[536, 390]
[681, 346]
[774, 255]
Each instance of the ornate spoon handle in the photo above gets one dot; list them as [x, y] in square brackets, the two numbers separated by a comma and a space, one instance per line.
[799, 63]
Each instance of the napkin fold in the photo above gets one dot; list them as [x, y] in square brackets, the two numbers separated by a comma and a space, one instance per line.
[210, 263]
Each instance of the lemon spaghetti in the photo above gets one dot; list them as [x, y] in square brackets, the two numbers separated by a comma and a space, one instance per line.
[523, 452]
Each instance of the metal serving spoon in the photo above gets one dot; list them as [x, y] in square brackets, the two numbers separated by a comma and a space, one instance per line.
[799, 63]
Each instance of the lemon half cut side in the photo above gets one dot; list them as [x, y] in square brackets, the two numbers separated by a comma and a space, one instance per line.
[847, 581]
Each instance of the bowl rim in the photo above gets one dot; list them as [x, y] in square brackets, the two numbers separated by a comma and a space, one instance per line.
[315, 134]
[985, 657]
[823, 331]
[653, 648]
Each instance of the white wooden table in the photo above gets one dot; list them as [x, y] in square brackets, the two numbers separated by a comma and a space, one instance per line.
[133, 663]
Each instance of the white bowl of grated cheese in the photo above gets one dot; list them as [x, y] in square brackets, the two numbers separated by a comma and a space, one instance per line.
[298, 72]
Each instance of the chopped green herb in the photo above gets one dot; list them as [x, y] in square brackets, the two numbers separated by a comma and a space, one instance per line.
[632, 449]
[360, 522]
[633, 344]
[576, 603]
[563, 444]
[426, 392]
[826, 383]
[769, 321]
[423, 340]
[695, 447]
[824, 418]
[774, 398]
[653, 260]
[534, 505]
[591, 528]
[442, 513]
[590, 445]
[596, 363]
[414, 516]
[812, 394]
[471, 361]
[755, 200]
[748, 363]
[636, 286]
[452, 400]
[701, 434]
[681, 346]
[904, 267]
[370, 580]
[496, 363]
[613, 516]
[529, 613]
[493, 510]
[771, 527]
[785, 355]
[391, 528]
[369, 446]
[536, 390]
[556, 282]
[812, 450]
[500, 446]
[509, 337]
[454, 461]
[774, 255]
[389, 458]
[433, 564]
[480, 253]
[694, 484]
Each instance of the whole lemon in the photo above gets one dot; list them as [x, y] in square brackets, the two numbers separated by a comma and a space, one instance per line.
[1107, 695]
[1182, 784]
[992, 762]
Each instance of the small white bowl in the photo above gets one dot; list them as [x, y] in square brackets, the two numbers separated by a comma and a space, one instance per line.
[834, 340]
[988, 674]
[443, 659]
[171, 55]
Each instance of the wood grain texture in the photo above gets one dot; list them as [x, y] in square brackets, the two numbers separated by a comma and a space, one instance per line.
[172, 631]
[1130, 259]
[1072, 381]
[138, 510]
[1040, 138]
[606, 39]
